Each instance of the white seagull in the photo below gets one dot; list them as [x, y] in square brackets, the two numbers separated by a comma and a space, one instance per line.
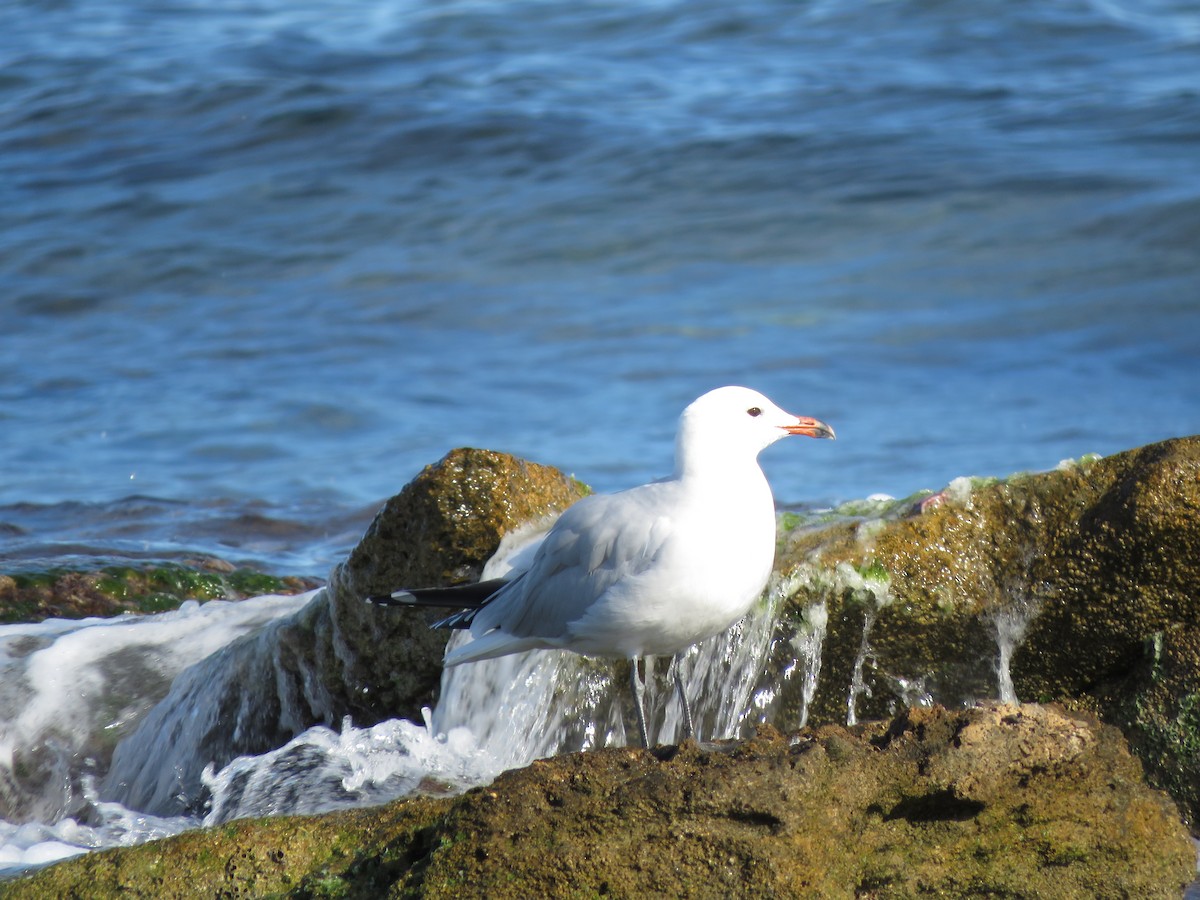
[647, 571]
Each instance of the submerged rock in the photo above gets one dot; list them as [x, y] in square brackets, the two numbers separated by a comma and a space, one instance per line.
[114, 590]
[1012, 801]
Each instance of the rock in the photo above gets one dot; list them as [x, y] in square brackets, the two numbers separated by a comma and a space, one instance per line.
[339, 656]
[439, 530]
[1158, 708]
[113, 590]
[1081, 585]
[1002, 801]
[1090, 573]
[1074, 579]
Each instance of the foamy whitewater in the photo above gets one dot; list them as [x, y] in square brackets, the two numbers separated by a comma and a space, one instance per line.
[68, 688]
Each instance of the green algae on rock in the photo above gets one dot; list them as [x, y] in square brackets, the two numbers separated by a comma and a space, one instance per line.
[113, 590]
[1158, 708]
[1009, 801]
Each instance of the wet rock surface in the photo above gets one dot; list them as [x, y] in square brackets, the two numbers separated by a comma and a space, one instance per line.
[1080, 586]
[1009, 801]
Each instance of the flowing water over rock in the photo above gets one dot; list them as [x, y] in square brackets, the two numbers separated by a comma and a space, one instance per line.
[175, 770]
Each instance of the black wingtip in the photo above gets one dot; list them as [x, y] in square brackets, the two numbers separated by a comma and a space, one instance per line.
[459, 596]
[415, 600]
[400, 598]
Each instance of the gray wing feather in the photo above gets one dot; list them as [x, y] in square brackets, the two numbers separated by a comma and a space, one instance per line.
[596, 543]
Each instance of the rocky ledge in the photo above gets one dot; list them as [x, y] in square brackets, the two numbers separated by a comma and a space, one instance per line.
[1011, 801]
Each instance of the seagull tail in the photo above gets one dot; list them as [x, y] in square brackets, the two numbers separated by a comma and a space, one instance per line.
[489, 646]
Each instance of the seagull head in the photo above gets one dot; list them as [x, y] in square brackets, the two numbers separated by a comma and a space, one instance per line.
[737, 422]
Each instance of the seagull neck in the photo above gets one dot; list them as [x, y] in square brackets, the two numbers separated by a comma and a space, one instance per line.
[711, 467]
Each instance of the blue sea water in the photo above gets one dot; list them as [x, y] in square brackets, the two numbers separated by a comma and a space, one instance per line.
[262, 261]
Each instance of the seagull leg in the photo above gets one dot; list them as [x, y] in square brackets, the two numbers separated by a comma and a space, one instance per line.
[689, 730]
[638, 687]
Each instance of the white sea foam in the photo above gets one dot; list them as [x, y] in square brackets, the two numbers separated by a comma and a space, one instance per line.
[322, 770]
[66, 683]
[32, 844]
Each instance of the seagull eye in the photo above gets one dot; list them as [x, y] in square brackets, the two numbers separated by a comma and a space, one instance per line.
[754, 411]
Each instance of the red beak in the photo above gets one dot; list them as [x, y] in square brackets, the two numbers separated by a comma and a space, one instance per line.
[810, 428]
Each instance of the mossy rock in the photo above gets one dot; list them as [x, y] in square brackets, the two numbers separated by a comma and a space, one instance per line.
[152, 588]
[1159, 709]
[1084, 565]
[355, 853]
[448, 521]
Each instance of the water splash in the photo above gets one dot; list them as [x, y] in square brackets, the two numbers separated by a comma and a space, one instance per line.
[911, 691]
[1019, 600]
[720, 676]
[1010, 624]
[543, 702]
[808, 643]
[30, 845]
[322, 770]
[871, 588]
[534, 704]
[241, 695]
